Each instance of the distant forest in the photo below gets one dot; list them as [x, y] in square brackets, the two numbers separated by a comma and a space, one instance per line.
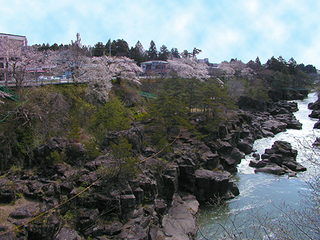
[120, 48]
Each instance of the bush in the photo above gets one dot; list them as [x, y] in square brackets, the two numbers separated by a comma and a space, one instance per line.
[111, 116]
[122, 155]
[91, 149]
[53, 158]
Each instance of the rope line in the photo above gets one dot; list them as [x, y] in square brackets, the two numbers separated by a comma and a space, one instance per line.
[164, 147]
[61, 204]
[51, 209]
[13, 110]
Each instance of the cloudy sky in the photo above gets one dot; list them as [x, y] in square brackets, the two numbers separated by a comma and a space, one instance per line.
[222, 29]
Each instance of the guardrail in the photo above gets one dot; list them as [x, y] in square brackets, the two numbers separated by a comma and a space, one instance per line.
[147, 95]
[10, 94]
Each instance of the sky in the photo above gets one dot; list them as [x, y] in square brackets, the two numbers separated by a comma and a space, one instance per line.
[222, 29]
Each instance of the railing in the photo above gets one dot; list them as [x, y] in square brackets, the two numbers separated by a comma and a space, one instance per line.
[147, 95]
[16, 97]
[10, 94]
[297, 89]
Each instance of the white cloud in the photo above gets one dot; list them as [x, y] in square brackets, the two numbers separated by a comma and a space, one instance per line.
[222, 29]
[252, 7]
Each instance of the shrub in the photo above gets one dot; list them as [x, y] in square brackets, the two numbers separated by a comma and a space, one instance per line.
[122, 155]
[54, 157]
[111, 116]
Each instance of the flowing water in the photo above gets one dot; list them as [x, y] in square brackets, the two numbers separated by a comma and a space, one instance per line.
[266, 198]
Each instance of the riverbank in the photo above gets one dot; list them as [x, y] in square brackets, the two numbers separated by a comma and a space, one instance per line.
[105, 196]
[264, 198]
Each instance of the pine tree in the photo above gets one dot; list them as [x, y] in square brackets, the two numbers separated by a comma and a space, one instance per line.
[164, 53]
[152, 53]
[175, 53]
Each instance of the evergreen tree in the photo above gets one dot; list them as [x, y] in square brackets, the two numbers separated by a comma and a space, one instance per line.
[137, 53]
[121, 48]
[98, 49]
[292, 65]
[169, 109]
[108, 48]
[257, 61]
[152, 53]
[175, 53]
[140, 48]
[195, 52]
[164, 53]
[186, 54]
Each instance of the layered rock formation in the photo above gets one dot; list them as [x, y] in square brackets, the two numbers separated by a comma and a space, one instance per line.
[280, 159]
[162, 200]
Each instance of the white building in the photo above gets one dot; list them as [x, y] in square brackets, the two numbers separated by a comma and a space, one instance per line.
[155, 67]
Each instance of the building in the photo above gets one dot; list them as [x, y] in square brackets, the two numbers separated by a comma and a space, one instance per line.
[155, 67]
[10, 49]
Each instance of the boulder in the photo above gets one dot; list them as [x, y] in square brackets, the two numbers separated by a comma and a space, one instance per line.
[315, 105]
[104, 160]
[134, 136]
[245, 147]
[295, 166]
[186, 179]
[230, 156]
[41, 152]
[135, 232]
[139, 194]
[34, 190]
[149, 187]
[289, 106]
[315, 114]
[290, 120]
[180, 222]
[112, 229]
[230, 162]
[67, 234]
[128, 203]
[284, 148]
[211, 185]
[276, 158]
[258, 164]
[75, 153]
[86, 218]
[7, 195]
[38, 230]
[274, 126]
[271, 168]
[280, 159]
[317, 125]
[266, 133]
[20, 213]
[170, 186]
[256, 156]
[210, 160]
[316, 142]
[248, 103]
[160, 206]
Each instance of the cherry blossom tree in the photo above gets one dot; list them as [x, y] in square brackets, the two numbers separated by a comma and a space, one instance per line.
[10, 51]
[188, 68]
[99, 72]
[21, 64]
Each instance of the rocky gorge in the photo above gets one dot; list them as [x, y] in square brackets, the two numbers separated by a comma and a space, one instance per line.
[162, 200]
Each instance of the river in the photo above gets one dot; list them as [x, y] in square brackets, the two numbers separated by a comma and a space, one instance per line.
[264, 198]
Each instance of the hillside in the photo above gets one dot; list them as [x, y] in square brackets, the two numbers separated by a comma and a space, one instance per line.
[103, 162]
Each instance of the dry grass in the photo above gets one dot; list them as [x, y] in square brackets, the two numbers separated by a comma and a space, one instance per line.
[6, 209]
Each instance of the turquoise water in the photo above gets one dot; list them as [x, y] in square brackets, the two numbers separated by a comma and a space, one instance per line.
[267, 200]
